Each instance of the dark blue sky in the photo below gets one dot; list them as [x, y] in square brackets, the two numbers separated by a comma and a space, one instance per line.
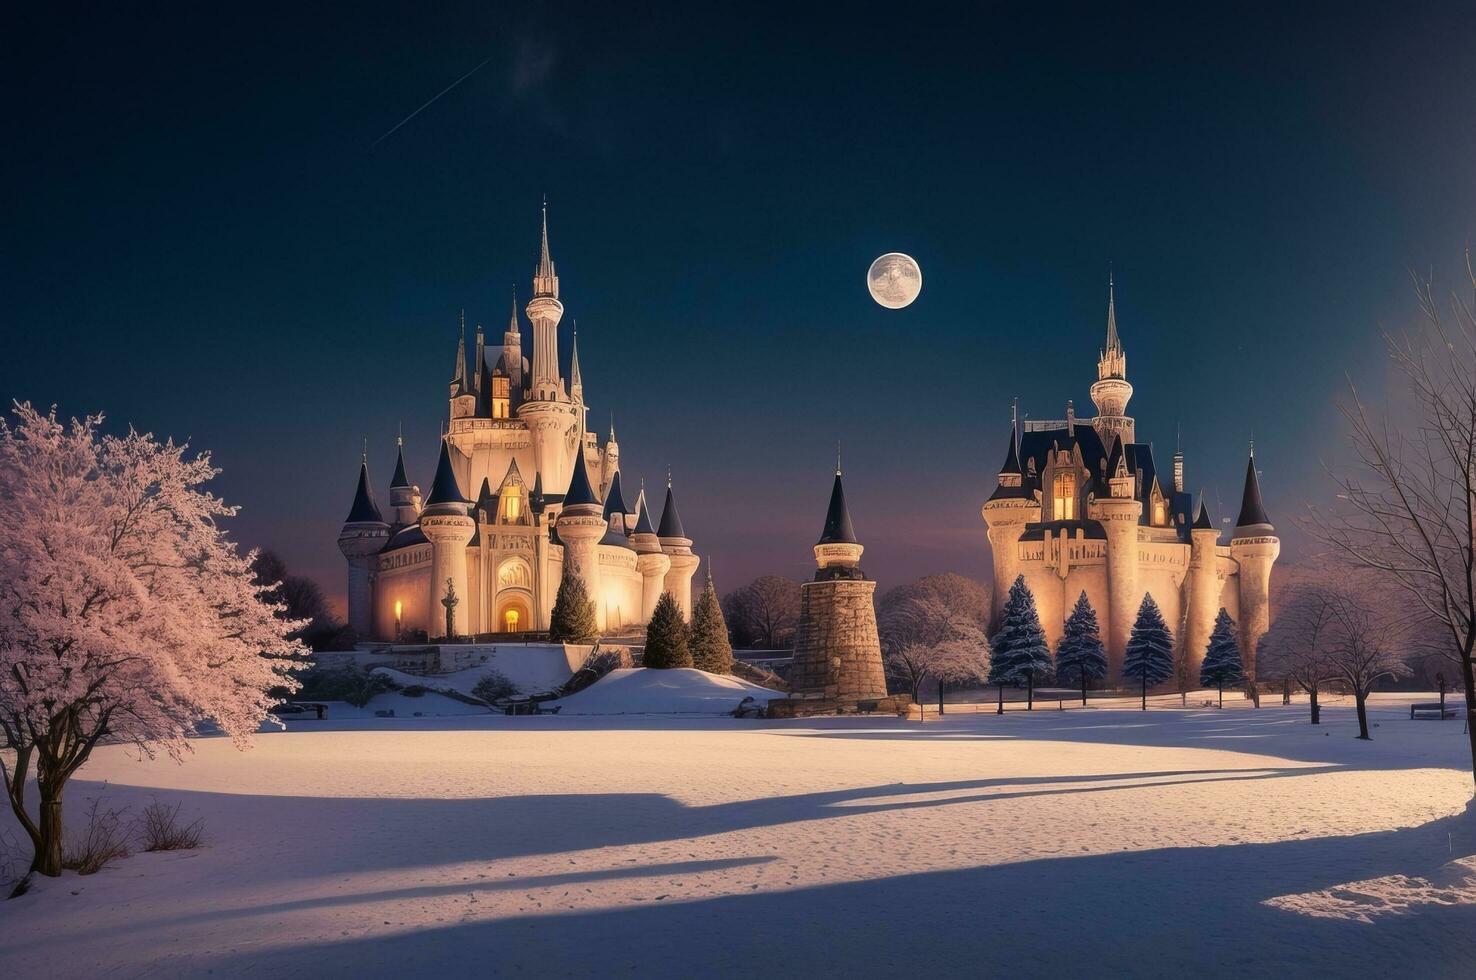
[200, 238]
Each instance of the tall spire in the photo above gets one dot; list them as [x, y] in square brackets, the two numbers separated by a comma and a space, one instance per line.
[399, 479]
[460, 379]
[512, 322]
[1114, 343]
[545, 281]
[576, 382]
[364, 509]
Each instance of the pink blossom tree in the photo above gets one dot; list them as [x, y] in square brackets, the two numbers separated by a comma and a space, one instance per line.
[126, 615]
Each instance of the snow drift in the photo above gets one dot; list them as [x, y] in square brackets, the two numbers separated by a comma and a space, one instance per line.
[683, 690]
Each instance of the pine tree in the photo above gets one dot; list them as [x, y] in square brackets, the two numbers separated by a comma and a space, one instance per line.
[1080, 653]
[708, 635]
[1019, 651]
[666, 636]
[573, 617]
[1222, 657]
[1149, 658]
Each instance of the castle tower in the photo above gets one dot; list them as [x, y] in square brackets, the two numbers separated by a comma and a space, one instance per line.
[1006, 512]
[404, 496]
[1203, 591]
[1111, 392]
[1118, 513]
[554, 422]
[545, 310]
[651, 561]
[837, 656]
[364, 534]
[448, 525]
[1255, 547]
[580, 526]
[463, 386]
[611, 457]
[678, 549]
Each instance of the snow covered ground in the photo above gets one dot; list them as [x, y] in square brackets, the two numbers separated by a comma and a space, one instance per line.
[1056, 843]
[682, 691]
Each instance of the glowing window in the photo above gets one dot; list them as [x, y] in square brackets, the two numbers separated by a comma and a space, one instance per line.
[499, 397]
[1063, 492]
[1159, 516]
[512, 504]
[510, 621]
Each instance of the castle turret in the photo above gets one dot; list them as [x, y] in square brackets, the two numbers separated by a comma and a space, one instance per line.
[512, 348]
[576, 379]
[1111, 392]
[580, 526]
[364, 534]
[1006, 512]
[448, 525]
[651, 561]
[554, 421]
[1254, 546]
[1203, 588]
[610, 457]
[404, 496]
[1118, 512]
[837, 656]
[463, 386]
[678, 548]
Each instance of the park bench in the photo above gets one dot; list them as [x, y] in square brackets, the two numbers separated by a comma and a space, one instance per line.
[1444, 711]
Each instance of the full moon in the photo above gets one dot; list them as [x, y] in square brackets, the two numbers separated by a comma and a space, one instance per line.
[894, 280]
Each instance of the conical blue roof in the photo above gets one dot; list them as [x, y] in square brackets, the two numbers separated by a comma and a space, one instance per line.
[399, 479]
[445, 489]
[580, 492]
[643, 519]
[671, 518]
[364, 510]
[614, 501]
[838, 529]
[1251, 510]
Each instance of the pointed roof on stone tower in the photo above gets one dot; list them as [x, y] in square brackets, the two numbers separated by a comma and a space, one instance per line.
[838, 529]
[1203, 521]
[512, 321]
[575, 380]
[1012, 455]
[399, 480]
[580, 491]
[445, 489]
[545, 280]
[643, 516]
[1114, 343]
[364, 509]
[671, 518]
[462, 382]
[614, 500]
[1252, 512]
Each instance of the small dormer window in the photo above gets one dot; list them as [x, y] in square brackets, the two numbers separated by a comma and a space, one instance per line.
[500, 396]
[512, 504]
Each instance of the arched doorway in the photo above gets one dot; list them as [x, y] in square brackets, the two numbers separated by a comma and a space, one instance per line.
[514, 614]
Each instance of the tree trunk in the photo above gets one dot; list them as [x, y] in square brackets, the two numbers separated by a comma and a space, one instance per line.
[1467, 673]
[1030, 693]
[1001, 700]
[48, 859]
[1145, 691]
[1222, 694]
[1316, 708]
[1361, 697]
[16, 791]
[1083, 688]
[940, 697]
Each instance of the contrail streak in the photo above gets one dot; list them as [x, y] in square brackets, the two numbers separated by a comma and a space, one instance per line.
[428, 102]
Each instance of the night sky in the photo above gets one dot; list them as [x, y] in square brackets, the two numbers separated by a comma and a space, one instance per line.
[200, 237]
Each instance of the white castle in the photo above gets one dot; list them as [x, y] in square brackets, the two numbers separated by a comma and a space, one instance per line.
[1080, 506]
[550, 495]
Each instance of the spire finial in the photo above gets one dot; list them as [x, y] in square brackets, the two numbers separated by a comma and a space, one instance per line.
[668, 476]
[1113, 342]
[612, 425]
[364, 456]
[512, 322]
[837, 457]
[400, 435]
[463, 323]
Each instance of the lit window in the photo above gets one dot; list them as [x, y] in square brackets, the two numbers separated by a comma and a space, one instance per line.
[512, 506]
[499, 396]
[510, 621]
[1159, 517]
[1064, 494]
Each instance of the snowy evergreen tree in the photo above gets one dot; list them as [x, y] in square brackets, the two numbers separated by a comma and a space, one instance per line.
[573, 617]
[1221, 664]
[708, 637]
[1080, 655]
[1019, 652]
[1149, 658]
[666, 636]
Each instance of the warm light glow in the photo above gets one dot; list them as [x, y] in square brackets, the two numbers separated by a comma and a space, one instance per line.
[499, 397]
[1158, 513]
[510, 621]
[399, 608]
[512, 506]
[1064, 494]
